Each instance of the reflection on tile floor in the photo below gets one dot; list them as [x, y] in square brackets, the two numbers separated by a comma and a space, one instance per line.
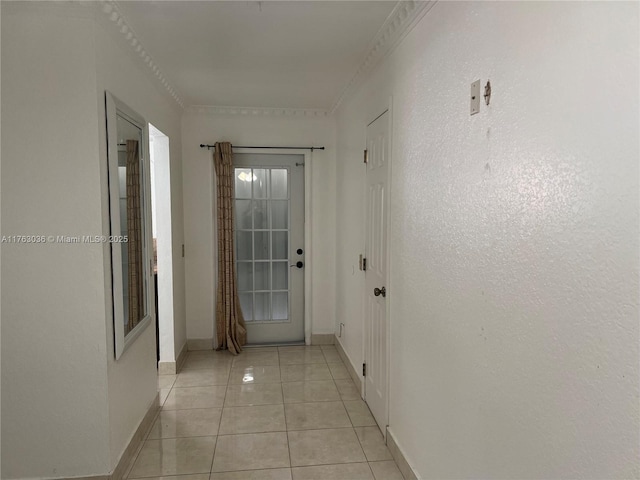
[285, 413]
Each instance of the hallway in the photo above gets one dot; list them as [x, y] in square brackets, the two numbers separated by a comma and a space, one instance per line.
[276, 413]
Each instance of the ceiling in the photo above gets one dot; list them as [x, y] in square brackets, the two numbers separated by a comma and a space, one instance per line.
[269, 54]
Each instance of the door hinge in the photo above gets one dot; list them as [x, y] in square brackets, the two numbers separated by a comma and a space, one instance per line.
[183, 249]
[366, 156]
[362, 263]
[364, 369]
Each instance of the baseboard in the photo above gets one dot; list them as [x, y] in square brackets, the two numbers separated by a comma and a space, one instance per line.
[353, 371]
[322, 338]
[136, 441]
[172, 368]
[97, 477]
[182, 357]
[167, 368]
[199, 344]
[130, 453]
[398, 456]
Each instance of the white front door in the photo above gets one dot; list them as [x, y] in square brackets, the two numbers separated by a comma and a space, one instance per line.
[269, 208]
[376, 328]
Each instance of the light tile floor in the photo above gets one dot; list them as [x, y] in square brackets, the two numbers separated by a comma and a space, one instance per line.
[276, 413]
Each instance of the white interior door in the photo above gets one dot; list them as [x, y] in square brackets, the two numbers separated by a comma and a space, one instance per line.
[376, 327]
[269, 208]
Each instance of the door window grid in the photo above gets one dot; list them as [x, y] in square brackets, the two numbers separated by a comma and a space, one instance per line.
[262, 243]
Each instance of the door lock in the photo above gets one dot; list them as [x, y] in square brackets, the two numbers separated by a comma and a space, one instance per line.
[380, 291]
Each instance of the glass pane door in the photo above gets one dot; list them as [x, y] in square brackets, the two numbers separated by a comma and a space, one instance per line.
[262, 208]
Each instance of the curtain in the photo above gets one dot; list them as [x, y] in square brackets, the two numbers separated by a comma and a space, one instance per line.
[134, 232]
[230, 327]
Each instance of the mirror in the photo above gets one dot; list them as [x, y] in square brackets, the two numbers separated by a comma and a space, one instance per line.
[130, 222]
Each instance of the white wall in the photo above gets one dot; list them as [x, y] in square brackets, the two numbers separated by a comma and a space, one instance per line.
[199, 216]
[514, 236]
[133, 378]
[161, 178]
[69, 408]
[54, 373]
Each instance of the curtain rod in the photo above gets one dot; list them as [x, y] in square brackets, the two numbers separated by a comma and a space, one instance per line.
[209, 147]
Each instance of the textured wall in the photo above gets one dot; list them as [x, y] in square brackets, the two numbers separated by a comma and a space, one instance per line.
[514, 237]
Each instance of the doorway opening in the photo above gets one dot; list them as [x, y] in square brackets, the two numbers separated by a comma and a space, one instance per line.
[162, 243]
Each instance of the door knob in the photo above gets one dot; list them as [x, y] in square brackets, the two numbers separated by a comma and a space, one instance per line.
[297, 264]
[380, 291]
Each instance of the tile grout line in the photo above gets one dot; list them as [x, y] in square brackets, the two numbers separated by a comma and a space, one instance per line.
[129, 469]
[286, 427]
[283, 403]
[224, 401]
[176, 475]
[284, 413]
[234, 471]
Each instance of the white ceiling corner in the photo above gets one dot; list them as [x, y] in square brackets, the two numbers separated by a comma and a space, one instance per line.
[270, 58]
[398, 24]
[111, 11]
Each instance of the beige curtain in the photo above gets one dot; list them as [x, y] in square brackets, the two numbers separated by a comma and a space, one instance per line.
[230, 327]
[134, 232]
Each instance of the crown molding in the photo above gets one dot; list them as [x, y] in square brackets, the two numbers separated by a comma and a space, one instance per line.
[107, 13]
[258, 111]
[404, 16]
[114, 17]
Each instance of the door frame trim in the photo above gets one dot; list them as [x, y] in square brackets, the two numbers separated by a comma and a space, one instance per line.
[308, 264]
[389, 245]
[388, 108]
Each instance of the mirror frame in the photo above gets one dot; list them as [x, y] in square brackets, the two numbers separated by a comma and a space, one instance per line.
[115, 108]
